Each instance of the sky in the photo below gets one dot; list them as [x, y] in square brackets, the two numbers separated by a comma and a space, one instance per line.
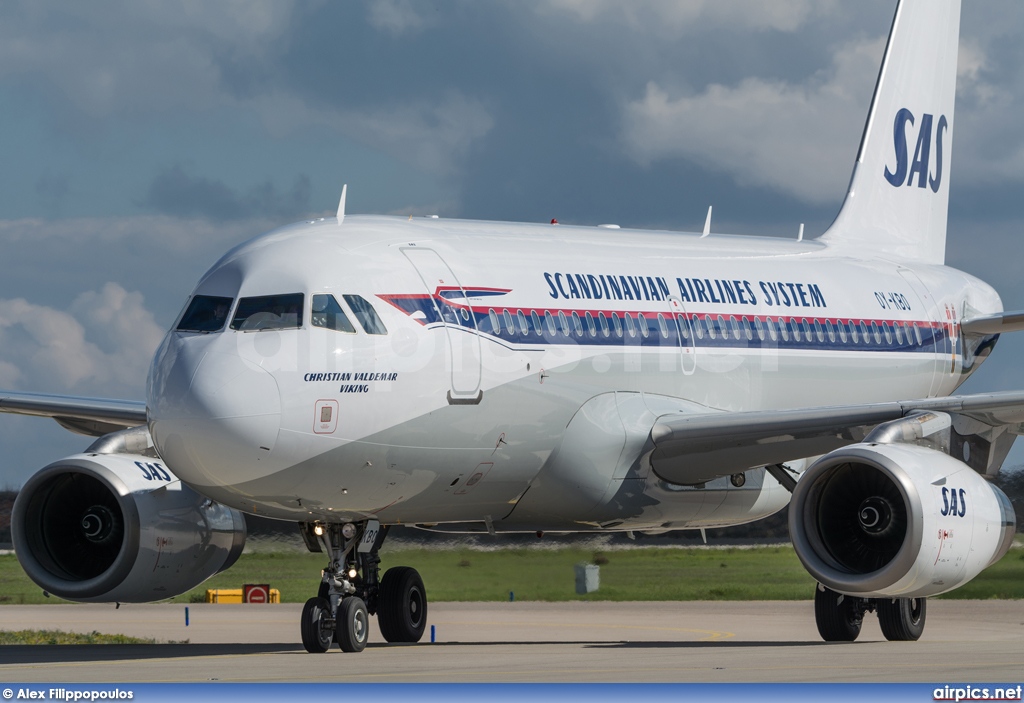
[142, 139]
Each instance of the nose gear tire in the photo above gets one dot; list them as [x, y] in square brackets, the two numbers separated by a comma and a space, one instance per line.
[316, 630]
[352, 628]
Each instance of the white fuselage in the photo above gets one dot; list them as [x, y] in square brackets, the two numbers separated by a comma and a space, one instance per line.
[469, 406]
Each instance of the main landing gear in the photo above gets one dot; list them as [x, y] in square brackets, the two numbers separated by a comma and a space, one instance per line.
[351, 590]
[839, 617]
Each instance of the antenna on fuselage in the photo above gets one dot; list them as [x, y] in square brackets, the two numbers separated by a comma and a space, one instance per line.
[341, 204]
[707, 224]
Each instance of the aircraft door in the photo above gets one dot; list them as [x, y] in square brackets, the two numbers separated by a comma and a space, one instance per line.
[953, 365]
[683, 327]
[453, 308]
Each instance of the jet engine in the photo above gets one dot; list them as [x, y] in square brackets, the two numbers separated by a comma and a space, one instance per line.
[120, 527]
[897, 521]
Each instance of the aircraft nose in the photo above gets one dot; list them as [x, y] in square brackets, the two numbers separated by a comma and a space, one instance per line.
[216, 419]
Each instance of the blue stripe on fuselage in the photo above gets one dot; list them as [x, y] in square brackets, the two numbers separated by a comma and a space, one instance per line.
[555, 326]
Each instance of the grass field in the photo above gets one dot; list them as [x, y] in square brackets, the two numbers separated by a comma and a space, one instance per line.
[61, 637]
[762, 573]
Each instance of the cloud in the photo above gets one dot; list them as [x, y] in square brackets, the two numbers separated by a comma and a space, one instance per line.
[434, 135]
[150, 235]
[103, 344]
[140, 57]
[175, 192]
[987, 148]
[689, 16]
[764, 133]
[395, 16]
[160, 60]
[50, 262]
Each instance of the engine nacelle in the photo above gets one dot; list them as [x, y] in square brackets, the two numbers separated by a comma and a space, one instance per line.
[120, 527]
[897, 520]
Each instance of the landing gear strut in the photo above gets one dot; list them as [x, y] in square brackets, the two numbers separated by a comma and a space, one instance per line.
[351, 590]
[839, 617]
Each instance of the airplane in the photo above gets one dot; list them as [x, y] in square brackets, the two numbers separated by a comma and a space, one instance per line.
[353, 373]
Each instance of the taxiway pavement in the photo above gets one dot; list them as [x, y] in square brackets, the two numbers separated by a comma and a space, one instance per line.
[965, 641]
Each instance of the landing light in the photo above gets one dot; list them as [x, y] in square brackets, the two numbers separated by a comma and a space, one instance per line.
[352, 573]
[318, 530]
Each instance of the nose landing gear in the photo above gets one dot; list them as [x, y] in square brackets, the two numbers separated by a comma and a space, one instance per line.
[351, 590]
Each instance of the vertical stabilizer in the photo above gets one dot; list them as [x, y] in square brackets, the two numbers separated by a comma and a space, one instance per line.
[899, 193]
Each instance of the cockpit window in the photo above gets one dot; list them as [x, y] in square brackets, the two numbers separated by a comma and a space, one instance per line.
[205, 313]
[268, 312]
[327, 313]
[365, 313]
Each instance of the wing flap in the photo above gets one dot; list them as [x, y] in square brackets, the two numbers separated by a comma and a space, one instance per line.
[93, 417]
[692, 449]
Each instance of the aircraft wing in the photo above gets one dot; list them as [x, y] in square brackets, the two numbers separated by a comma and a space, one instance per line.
[93, 417]
[690, 449]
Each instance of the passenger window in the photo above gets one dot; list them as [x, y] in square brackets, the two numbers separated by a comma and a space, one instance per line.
[549, 319]
[641, 322]
[603, 322]
[748, 331]
[617, 325]
[772, 331]
[877, 334]
[854, 335]
[759, 328]
[796, 331]
[205, 313]
[630, 325]
[535, 318]
[576, 324]
[698, 328]
[524, 325]
[510, 325]
[684, 327]
[663, 326]
[365, 314]
[887, 332]
[784, 330]
[327, 313]
[591, 326]
[268, 312]
[710, 325]
[899, 333]
[495, 322]
[563, 322]
[917, 334]
[831, 330]
[842, 331]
